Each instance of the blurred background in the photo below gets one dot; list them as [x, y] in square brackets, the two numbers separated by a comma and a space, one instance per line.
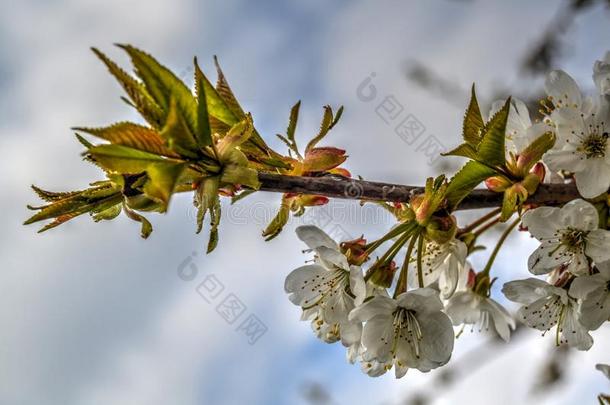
[92, 314]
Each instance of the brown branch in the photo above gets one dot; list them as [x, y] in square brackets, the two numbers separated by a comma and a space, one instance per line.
[342, 187]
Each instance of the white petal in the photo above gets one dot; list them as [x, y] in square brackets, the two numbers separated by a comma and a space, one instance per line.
[574, 334]
[379, 305]
[314, 237]
[583, 286]
[331, 258]
[594, 178]
[604, 368]
[421, 300]
[601, 75]
[378, 337]
[598, 245]
[564, 159]
[351, 333]
[438, 337]
[525, 291]
[563, 89]
[357, 284]
[546, 258]
[604, 269]
[579, 214]
[400, 371]
[503, 321]
[301, 284]
[595, 309]
[463, 307]
[543, 222]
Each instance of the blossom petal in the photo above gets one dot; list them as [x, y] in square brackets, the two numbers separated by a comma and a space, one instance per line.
[331, 258]
[357, 284]
[421, 300]
[503, 321]
[598, 245]
[573, 333]
[595, 308]
[583, 286]
[563, 89]
[543, 222]
[438, 337]
[546, 258]
[604, 368]
[377, 337]
[579, 214]
[379, 305]
[564, 159]
[594, 178]
[314, 237]
[463, 308]
[301, 282]
[525, 291]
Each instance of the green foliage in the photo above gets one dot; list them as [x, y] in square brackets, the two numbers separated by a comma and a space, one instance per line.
[465, 180]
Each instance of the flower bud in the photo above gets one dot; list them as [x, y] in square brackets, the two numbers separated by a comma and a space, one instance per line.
[382, 275]
[539, 170]
[498, 184]
[322, 159]
[355, 251]
[441, 229]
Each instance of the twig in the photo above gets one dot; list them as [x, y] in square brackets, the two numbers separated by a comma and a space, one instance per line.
[353, 189]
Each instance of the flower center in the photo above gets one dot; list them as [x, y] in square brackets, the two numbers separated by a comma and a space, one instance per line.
[573, 239]
[407, 329]
[595, 145]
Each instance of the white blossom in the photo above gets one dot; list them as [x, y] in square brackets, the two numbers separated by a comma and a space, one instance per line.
[546, 306]
[594, 293]
[582, 136]
[443, 263]
[568, 237]
[327, 291]
[601, 75]
[410, 331]
[470, 307]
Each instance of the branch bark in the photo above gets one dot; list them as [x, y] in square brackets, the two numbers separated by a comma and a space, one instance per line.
[353, 189]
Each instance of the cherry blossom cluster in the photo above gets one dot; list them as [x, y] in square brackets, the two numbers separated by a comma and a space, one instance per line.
[414, 326]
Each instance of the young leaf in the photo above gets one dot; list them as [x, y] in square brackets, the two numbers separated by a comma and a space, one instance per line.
[464, 150]
[491, 150]
[146, 228]
[131, 135]
[464, 181]
[140, 99]
[125, 160]
[204, 132]
[328, 121]
[163, 85]
[177, 135]
[473, 121]
[224, 90]
[162, 181]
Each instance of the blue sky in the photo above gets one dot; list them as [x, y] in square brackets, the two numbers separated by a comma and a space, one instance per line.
[93, 315]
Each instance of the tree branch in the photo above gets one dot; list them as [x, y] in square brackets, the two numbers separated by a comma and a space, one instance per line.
[352, 189]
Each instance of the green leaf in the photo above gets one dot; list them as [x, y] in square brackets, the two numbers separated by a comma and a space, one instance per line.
[473, 121]
[224, 91]
[140, 99]
[278, 222]
[204, 132]
[50, 196]
[328, 121]
[177, 134]
[107, 214]
[464, 181]
[164, 86]
[125, 160]
[131, 135]
[464, 150]
[162, 181]
[491, 150]
[534, 151]
[146, 228]
[214, 222]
